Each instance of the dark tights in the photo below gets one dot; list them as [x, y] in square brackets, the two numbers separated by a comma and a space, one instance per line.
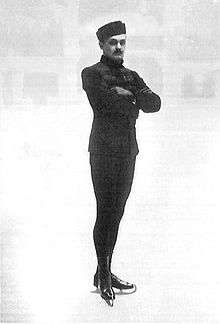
[112, 179]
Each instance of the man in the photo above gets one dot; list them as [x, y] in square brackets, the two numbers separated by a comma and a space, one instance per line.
[115, 94]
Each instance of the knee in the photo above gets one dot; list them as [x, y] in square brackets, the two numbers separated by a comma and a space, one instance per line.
[109, 216]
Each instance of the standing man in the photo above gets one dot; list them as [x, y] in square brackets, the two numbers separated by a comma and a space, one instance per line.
[115, 94]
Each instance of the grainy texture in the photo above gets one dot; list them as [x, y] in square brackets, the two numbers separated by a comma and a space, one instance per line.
[169, 239]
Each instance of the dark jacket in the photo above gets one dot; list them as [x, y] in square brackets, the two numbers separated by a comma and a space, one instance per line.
[113, 128]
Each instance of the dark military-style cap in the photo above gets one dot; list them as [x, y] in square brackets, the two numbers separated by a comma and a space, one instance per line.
[110, 29]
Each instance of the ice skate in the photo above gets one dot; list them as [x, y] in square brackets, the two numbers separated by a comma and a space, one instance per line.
[124, 287]
[104, 281]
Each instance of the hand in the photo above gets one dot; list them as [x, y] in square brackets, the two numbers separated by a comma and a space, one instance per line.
[122, 91]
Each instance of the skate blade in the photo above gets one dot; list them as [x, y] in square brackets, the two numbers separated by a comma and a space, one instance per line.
[109, 302]
[125, 291]
[96, 291]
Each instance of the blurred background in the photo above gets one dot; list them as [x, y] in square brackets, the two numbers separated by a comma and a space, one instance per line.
[47, 200]
[44, 45]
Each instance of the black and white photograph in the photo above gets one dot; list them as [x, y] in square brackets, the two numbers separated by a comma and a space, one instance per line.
[109, 161]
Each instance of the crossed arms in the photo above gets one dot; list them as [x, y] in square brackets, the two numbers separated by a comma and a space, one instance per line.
[117, 99]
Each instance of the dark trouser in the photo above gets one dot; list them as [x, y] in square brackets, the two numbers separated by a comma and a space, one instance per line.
[112, 179]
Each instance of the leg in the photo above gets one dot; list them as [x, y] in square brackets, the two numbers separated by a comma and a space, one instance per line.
[124, 184]
[102, 177]
[124, 188]
[112, 180]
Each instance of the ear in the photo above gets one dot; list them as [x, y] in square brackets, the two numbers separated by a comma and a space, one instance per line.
[101, 45]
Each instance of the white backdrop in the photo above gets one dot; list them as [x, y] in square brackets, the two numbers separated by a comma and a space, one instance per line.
[169, 236]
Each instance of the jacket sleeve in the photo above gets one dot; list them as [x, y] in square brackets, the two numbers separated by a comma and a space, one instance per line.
[147, 100]
[102, 98]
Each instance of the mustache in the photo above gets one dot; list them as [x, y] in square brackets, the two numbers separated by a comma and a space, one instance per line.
[118, 52]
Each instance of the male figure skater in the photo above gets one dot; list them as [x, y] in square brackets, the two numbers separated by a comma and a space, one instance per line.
[115, 94]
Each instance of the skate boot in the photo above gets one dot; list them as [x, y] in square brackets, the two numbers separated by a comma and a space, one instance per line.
[123, 286]
[104, 280]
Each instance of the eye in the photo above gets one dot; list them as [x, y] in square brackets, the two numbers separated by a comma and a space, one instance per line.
[113, 42]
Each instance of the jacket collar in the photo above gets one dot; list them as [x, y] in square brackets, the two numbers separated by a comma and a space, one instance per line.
[113, 63]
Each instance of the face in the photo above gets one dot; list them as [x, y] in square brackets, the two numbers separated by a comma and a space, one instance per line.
[114, 47]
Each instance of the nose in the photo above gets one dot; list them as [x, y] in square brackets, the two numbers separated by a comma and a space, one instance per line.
[118, 45]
